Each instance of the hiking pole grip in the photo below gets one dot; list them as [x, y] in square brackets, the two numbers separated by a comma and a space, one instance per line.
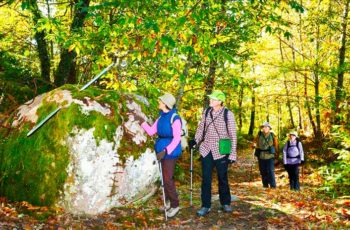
[162, 185]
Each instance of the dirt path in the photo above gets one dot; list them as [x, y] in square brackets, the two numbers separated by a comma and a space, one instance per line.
[257, 208]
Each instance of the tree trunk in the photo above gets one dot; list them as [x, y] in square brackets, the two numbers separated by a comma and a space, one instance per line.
[209, 82]
[307, 104]
[260, 114]
[317, 99]
[298, 97]
[252, 114]
[66, 70]
[279, 120]
[287, 89]
[182, 80]
[42, 46]
[339, 93]
[267, 113]
[306, 95]
[49, 16]
[317, 105]
[300, 116]
[240, 102]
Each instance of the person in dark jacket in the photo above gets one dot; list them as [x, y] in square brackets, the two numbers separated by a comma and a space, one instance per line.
[266, 151]
[167, 147]
[293, 156]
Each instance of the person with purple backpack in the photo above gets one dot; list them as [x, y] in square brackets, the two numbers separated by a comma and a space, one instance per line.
[293, 156]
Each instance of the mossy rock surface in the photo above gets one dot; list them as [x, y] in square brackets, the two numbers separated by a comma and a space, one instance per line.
[91, 156]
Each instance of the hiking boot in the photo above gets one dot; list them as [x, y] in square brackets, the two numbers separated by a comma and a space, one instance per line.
[227, 208]
[167, 206]
[203, 211]
[173, 211]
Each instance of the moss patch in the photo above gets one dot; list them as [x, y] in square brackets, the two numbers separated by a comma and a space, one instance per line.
[33, 169]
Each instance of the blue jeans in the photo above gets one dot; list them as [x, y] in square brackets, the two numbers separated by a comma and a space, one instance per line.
[267, 172]
[221, 165]
[293, 174]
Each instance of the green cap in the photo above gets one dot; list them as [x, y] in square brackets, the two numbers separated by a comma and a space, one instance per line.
[217, 95]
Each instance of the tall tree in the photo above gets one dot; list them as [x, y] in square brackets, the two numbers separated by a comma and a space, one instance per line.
[316, 74]
[339, 93]
[286, 88]
[252, 112]
[66, 71]
[300, 117]
[40, 38]
[240, 107]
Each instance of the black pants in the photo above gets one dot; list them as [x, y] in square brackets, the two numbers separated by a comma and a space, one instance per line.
[267, 172]
[293, 173]
[221, 165]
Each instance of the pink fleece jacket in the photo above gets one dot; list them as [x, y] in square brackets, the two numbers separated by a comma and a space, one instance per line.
[176, 126]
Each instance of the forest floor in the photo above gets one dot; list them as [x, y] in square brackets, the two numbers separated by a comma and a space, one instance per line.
[256, 207]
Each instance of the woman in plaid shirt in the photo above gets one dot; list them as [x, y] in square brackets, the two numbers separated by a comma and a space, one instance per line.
[211, 129]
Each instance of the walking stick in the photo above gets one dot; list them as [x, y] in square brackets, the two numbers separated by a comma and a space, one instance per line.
[191, 171]
[162, 184]
[302, 174]
[251, 166]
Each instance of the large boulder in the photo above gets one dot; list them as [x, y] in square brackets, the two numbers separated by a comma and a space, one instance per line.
[88, 158]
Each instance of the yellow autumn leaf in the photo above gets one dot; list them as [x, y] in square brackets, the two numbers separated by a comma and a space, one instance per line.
[222, 38]
[71, 47]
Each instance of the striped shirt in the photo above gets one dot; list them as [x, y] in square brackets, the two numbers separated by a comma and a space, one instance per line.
[211, 140]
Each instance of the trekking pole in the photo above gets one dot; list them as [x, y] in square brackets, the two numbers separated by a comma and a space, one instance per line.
[251, 166]
[302, 174]
[191, 171]
[162, 184]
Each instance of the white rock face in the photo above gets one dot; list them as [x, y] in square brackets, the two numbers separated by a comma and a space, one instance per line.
[97, 179]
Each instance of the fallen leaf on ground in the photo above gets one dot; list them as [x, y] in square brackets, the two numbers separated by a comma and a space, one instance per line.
[274, 220]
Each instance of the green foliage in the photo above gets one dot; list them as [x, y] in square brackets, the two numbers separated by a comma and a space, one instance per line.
[242, 140]
[337, 174]
[180, 173]
[16, 82]
[296, 6]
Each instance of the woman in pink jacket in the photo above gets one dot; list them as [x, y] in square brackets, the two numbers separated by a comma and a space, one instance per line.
[167, 146]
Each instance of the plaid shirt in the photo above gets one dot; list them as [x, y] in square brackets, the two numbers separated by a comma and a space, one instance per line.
[211, 140]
